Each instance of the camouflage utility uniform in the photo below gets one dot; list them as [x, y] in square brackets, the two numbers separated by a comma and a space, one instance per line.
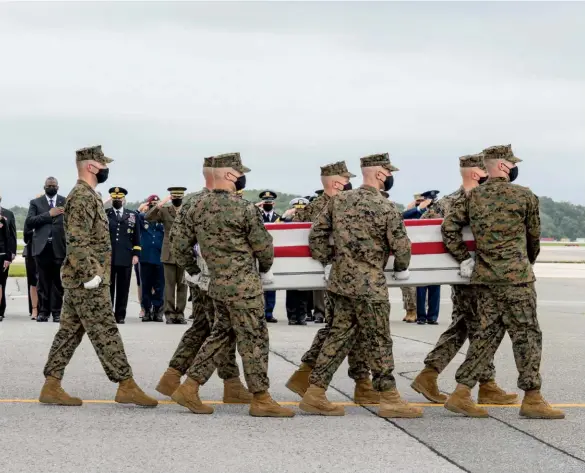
[365, 228]
[89, 254]
[505, 221]
[232, 236]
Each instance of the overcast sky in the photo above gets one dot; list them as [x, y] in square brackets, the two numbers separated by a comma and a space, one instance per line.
[291, 86]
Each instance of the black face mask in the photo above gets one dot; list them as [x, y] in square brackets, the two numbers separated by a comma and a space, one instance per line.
[177, 202]
[51, 191]
[102, 175]
[268, 207]
[347, 187]
[388, 183]
[513, 173]
[482, 180]
[240, 183]
[117, 204]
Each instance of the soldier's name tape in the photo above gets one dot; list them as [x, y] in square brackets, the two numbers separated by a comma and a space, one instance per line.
[431, 264]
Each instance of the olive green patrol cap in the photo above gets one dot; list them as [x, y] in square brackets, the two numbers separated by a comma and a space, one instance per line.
[472, 161]
[92, 153]
[336, 169]
[501, 152]
[382, 159]
[229, 160]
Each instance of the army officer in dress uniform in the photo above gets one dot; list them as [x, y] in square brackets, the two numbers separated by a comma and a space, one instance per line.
[266, 205]
[125, 238]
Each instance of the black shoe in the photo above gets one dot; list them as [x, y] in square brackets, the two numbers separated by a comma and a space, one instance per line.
[433, 322]
[301, 322]
[148, 316]
[319, 320]
[180, 322]
[271, 320]
[291, 322]
[43, 318]
[158, 316]
[56, 319]
[121, 321]
[310, 318]
[421, 322]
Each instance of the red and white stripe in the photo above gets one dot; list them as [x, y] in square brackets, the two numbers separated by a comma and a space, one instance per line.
[431, 263]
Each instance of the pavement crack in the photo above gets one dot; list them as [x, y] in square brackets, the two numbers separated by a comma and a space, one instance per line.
[389, 421]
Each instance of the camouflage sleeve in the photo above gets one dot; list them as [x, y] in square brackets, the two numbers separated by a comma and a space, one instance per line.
[301, 215]
[452, 230]
[182, 239]
[321, 231]
[154, 214]
[398, 241]
[80, 222]
[259, 239]
[533, 229]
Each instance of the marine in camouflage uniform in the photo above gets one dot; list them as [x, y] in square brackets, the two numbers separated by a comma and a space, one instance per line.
[87, 306]
[203, 319]
[231, 236]
[358, 368]
[365, 228]
[464, 316]
[505, 221]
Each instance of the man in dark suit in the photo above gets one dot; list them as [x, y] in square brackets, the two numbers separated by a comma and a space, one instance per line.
[125, 238]
[266, 204]
[45, 218]
[7, 252]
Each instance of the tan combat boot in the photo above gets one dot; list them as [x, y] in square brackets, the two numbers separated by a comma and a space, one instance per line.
[426, 384]
[264, 406]
[130, 393]
[315, 402]
[534, 406]
[53, 393]
[188, 396]
[169, 382]
[393, 406]
[234, 392]
[460, 402]
[299, 381]
[491, 393]
[410, 317]
[364, 393]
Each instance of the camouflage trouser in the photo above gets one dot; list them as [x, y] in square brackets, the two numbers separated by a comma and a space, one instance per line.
[358, 367]
[502, 309]
[190, 344]
[88, 310]
[240, 322]
[409, 298]
[465, 323]
[353, 319]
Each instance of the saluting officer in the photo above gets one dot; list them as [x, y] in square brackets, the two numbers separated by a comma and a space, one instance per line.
[125, 239]
[266, 204]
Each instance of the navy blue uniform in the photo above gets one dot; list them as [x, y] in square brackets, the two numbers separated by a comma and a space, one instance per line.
[151, 268]
[269, 296]
[125, 239]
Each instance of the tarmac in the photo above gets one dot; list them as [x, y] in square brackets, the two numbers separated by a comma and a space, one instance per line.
[104, 437]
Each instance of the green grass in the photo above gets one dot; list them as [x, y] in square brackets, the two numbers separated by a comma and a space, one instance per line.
[17, 271]
[20, 235]
[571, 243]
[19, 249]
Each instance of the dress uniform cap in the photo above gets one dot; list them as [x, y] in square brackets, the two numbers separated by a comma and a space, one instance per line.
[319, 192]
[472, 161]
[92, 153]
[299, 202]
[117, 192]
[268, 196]
[229, 160]
[382, 159]
[336, 169]
[178, 191]
[501, 152]
[430, 194]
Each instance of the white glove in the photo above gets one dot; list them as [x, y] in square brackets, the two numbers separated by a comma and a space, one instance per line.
[327, 272]
[267, 278]
[402, 275]
[94, 283]
[192, 279]
[466, 268]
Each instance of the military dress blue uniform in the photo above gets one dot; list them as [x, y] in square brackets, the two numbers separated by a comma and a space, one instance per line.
[269, 216]
[125, 239]
[151, 268]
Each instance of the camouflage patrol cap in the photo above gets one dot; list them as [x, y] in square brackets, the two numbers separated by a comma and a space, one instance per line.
[336, 169]
[229, 160]
[382, 159]
[92, 153]
[208, 162]
[501, 152]
[472, 161]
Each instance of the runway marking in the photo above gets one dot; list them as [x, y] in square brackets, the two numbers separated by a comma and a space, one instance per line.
[295, 403]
